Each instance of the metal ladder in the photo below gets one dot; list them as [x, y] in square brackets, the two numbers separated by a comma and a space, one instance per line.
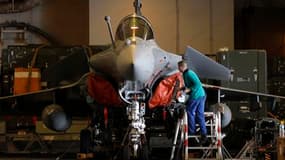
[214, 148]
[181, 146]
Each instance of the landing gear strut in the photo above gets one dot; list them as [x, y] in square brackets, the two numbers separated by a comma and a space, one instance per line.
[134, 143]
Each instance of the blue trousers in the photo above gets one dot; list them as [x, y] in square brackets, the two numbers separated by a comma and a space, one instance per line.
[195, 111]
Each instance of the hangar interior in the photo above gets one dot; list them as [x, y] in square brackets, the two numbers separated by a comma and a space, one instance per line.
[55, 103]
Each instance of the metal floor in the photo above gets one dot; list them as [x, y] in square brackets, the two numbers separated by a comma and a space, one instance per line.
[157, 154]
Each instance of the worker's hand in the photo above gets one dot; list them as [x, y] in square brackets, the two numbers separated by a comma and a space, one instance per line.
[187, 90]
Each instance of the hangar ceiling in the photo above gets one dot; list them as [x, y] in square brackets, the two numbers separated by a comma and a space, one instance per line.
[15, 6]
[260, 24]
[260, 3]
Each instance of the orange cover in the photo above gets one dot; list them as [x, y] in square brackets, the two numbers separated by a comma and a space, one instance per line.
[163, 93]
[102, 91]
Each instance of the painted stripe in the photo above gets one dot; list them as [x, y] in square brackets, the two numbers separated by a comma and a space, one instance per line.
[26, 75]
[186, 142]
[186, 134]
[219, 143]
[186, 128]
[219, 129]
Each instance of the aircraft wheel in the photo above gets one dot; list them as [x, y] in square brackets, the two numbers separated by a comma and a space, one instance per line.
[144, 153]
[126, 153]
[108, 136]
[85, 141]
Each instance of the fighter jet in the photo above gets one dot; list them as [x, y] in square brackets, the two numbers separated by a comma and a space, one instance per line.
[126, 74]
[135, 63]
[135, 56]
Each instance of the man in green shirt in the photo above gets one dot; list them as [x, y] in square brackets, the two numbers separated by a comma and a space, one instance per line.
[196, 103]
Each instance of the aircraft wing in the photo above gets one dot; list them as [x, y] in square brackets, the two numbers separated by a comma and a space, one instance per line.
[204, 66]
[80, 80]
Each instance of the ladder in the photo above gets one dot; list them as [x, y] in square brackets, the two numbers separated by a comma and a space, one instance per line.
[13, 35]
[181, 145]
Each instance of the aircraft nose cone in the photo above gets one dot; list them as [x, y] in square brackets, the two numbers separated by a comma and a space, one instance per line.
[136, 63]
[143, 64]
[125, 63]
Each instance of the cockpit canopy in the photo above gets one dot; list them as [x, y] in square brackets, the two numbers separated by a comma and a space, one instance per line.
[134, 26]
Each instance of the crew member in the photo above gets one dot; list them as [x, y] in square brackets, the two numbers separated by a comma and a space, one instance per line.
[196, 102]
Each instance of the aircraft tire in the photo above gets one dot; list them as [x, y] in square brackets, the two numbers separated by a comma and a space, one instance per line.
[85, 141]
[126, 153]
[144, 154]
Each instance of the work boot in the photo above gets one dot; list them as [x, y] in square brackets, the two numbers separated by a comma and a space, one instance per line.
[203, 140]
[193, 142]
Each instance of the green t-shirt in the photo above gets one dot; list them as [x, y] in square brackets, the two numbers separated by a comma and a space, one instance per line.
[192, 82]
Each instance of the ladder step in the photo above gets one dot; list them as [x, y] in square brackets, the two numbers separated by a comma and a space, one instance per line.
[207, 124]
[200, 158]
[201, 147]
[209, 114]
[224, 159]
[198, 136]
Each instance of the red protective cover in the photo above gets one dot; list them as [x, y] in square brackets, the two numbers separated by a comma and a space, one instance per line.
[102, 91]
[163, 93]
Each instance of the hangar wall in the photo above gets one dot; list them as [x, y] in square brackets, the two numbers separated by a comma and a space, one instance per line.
[206, 25]
[65, 20]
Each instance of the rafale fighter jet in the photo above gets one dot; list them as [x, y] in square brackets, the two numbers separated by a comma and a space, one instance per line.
[127, 74]
[136, 63]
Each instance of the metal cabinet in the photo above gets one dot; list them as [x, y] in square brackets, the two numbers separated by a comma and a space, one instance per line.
[248, 69]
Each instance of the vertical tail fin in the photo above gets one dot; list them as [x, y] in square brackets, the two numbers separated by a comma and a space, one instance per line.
[204, 66]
